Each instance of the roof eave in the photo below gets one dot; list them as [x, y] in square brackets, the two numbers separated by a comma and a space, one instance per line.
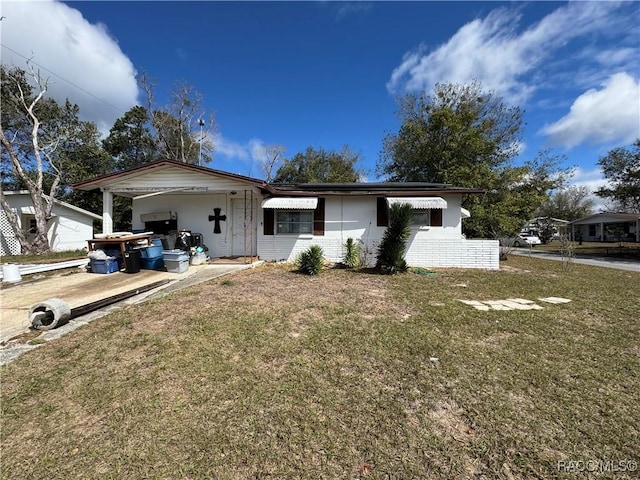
[97, 182]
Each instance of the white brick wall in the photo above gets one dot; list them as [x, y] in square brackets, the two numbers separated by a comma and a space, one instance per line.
[356, 218]
[457, 253]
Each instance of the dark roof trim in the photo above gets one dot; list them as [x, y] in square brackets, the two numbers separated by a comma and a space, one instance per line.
[94, 182]
[397, 189]
[614, 216]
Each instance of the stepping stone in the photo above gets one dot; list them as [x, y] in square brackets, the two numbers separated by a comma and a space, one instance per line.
[497, 304]
[555, 300]
[521, 306]
[523, 301]
[475, 304]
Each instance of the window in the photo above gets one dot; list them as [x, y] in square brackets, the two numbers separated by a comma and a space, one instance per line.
[421, 218]
[428, 217]
[294, 222]
[29, 222]
[592, 231]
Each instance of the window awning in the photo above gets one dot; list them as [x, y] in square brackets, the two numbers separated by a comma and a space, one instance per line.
[291, 203]
[419, 203]
[465, 213]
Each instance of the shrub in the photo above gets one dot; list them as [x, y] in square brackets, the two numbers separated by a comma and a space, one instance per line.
[351, 257]
[311, 260]
[394, 241]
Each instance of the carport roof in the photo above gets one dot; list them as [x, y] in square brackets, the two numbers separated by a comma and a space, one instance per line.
[102, 180]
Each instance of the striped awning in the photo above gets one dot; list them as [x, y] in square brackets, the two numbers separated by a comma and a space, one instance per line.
[291, 203]
[419, 203]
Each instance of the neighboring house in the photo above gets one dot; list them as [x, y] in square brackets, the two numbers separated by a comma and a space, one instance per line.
[608, 227]
[242, 216]
[69, 228]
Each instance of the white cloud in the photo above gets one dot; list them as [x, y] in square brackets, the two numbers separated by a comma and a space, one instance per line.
[492, 51]
[230, 150]
[82, 61]
[593, 180]
[352, 8]
[610, 114]
[243, 158]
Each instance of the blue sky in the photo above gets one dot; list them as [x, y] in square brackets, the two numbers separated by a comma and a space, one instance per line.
[326, 74]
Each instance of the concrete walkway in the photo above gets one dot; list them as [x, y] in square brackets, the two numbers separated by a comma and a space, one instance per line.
[75, 289]
[606, 262]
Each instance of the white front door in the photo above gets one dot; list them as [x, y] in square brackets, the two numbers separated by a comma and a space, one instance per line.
[244, 235]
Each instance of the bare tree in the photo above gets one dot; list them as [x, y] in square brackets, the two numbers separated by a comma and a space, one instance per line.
[272, 159]
[182, 128]
[22, 142]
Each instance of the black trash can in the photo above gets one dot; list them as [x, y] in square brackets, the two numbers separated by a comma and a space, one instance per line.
[132, 261]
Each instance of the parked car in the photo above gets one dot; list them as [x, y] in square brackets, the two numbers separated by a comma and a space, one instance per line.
[521, 240]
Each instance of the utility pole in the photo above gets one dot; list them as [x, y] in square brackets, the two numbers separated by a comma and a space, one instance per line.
[201, 123]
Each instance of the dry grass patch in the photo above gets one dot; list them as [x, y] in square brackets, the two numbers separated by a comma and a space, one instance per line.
[272, 374]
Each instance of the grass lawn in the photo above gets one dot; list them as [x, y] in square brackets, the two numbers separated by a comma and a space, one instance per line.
[345, 375]
[50, 257]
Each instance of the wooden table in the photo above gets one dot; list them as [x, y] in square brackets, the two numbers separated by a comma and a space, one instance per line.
[122, 242]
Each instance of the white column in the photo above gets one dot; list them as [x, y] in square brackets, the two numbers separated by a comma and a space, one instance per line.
[107, 212]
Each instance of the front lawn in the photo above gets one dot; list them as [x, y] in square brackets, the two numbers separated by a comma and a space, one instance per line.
[343, 375]
[50, 257]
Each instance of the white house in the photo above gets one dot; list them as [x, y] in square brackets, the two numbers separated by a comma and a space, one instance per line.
[608, 227]
[68, 229]
[242, 216]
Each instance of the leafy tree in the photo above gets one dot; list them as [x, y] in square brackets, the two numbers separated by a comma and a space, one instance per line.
[38, 138]
[273, 155]
[130, 141]
[621, 167]
[394, 240]
[457, 136]
[181, 131]
[463, 136]
[320, 166]
[568, 203]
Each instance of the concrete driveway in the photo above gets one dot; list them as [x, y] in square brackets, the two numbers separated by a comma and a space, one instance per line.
[79, 288]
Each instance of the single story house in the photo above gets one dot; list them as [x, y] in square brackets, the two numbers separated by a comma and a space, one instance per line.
[68, 229]
[240, 216]
[608, 227]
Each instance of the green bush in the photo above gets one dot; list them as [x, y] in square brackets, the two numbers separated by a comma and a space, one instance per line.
[311, 260]
[394, 241]
[351, 257]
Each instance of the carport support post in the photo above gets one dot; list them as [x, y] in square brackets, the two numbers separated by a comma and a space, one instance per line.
[107, 212]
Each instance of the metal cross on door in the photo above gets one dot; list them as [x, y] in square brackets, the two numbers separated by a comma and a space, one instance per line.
[216, 217]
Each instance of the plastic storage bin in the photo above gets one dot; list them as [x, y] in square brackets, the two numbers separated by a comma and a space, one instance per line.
[177, 266]
[107, 265]
[151, 252]
[174, 255]
[117, 254]
[155, 263]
